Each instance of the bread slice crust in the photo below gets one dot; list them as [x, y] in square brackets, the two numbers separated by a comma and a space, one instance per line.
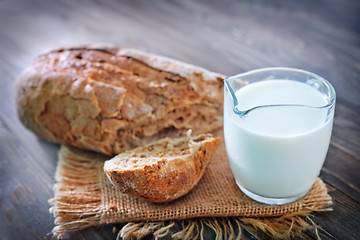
[164, 170]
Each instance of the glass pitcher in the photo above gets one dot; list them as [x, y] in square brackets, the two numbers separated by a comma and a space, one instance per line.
[277, 129]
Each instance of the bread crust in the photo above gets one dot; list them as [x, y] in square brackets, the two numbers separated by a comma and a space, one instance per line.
[106, 99]
[165, 179]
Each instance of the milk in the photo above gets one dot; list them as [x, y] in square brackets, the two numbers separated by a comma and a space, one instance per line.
[277, 152]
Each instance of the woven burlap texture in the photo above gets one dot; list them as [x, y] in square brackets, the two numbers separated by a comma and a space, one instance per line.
[84, 196]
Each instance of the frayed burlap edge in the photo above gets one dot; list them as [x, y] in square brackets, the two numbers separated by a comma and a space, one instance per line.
[286, 227]
[68, 204]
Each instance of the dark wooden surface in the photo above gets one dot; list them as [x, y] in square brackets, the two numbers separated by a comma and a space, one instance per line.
[224, 36]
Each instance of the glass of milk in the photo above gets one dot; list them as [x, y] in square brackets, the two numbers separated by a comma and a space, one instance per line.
[277, 129]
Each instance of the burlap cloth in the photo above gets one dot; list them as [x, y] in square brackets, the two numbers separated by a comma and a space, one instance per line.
[84, 197]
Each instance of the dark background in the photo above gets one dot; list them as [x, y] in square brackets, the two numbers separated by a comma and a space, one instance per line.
[223, 36]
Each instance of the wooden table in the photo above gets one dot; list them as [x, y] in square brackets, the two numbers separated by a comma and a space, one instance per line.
[223, 36]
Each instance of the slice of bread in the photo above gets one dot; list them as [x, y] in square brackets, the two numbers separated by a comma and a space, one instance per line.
[163, 170]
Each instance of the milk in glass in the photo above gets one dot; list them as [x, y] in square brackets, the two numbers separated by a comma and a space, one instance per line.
[277, 151]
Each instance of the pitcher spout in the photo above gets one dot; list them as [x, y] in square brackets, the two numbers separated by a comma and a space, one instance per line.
[285, 82]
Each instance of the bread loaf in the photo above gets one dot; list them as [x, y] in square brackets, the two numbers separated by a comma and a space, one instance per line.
[108, 100]
[164, 170]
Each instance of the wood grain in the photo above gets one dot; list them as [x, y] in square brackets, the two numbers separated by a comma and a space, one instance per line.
[224, 36]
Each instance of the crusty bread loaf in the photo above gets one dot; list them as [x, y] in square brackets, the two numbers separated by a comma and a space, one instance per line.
[164, 170]
[108, 100]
